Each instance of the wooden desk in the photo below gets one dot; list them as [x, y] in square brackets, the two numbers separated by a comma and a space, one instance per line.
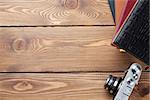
[60, 50]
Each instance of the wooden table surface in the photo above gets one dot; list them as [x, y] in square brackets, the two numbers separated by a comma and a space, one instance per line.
[60, 50]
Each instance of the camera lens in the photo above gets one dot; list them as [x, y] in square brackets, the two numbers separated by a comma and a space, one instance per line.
[112, 84]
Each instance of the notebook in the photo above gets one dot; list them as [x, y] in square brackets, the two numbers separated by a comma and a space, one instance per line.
[133, 35]
[128, 5]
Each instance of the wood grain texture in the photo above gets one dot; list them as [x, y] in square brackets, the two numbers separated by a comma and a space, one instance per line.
[73, 86]
[54, 12]
[76, 50]
[57, 49]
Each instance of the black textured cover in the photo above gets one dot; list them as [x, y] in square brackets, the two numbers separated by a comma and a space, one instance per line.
[134, 35]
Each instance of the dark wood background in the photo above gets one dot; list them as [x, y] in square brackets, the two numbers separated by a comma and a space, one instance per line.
[60, 50]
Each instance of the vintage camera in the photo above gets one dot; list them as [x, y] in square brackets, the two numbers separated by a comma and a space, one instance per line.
[122, 88]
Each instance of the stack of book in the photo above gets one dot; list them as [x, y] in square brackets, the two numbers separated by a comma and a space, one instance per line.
[132, 27]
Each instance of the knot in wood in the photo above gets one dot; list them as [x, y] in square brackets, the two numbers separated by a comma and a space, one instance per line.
[23, 86]
[71, 4]
[19, 45]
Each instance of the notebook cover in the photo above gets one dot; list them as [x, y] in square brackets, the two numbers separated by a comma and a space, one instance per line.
[133, 36]
[125, 11]
[119, 4]
[128, 7]
[112, 7]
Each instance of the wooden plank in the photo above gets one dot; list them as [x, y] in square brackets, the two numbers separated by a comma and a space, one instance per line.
[60, 49]
[73, 86]
[54, 12]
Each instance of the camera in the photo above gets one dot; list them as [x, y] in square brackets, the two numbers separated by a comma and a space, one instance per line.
[122, 87]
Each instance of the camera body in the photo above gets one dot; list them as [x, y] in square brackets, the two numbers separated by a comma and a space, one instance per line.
[122, 88]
